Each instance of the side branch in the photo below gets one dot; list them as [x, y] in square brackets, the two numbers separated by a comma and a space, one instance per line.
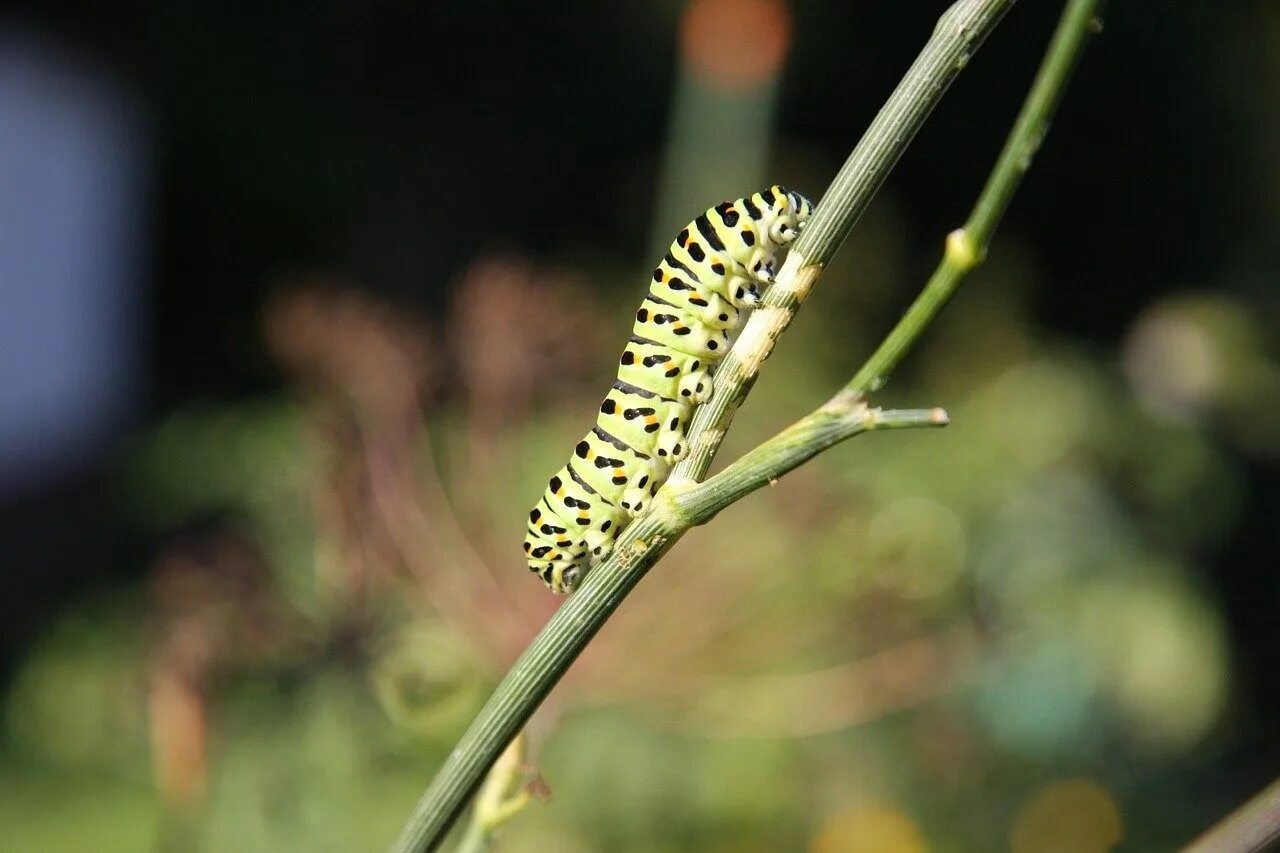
[966, 247]
[501, 797]
[843, 417]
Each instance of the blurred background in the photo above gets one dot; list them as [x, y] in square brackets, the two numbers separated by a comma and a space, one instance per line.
[300, 305]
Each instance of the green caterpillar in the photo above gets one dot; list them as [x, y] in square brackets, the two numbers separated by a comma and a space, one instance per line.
[709, 274]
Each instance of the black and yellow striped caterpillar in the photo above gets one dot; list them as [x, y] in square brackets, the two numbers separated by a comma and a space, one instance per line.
[710, 273]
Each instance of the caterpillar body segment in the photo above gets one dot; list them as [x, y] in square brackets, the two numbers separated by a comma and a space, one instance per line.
[711, 273]
[645, 363]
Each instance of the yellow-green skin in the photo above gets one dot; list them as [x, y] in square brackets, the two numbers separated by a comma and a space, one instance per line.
[709, 275]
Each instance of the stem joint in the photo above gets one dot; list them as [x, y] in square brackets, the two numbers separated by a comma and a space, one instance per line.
[963, 253]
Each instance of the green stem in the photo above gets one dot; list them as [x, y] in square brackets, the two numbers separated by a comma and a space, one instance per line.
[532, 676]
[476, 839]
[1255, 826]
[960, 31]
[843, 417]
[966, 247]
[683, 503]
[501, 798]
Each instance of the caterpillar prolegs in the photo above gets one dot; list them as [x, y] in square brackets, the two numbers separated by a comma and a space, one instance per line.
[711, 272]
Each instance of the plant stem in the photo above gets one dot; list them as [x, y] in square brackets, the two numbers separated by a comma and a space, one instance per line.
[684, 503]
[500, 799]
[1255, 826]
[533, 675]
[960, 31]
[843, 417]
[966, 247]
[847, 413]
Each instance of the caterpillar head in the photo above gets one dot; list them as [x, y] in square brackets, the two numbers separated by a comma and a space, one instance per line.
[562, 580]
[560, 576]
[790, 210]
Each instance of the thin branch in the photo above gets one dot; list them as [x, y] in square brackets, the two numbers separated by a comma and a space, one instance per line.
[966, 247]
[1252, 828]
[960, 31]
[501, 797]
[843, 417]
[962, 28]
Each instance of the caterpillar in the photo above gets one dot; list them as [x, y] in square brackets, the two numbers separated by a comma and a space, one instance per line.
[710, 274]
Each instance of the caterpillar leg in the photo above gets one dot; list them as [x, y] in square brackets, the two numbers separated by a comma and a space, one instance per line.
[604, 531]
[634, 500]
[744, 292]
[561, 579]
[600, 544]
[671, 442]
[695, 386]
[761, 265]
[560, 576]
[644, 486]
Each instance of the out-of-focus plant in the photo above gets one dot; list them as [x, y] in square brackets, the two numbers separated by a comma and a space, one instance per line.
[214, 611]
[1200, 357]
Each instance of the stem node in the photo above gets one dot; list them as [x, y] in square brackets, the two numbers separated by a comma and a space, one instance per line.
[962, 253]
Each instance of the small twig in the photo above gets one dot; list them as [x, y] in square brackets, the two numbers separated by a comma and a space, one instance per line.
[843, 417]
[966, 247]
[501, 797]
[1253, 827]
